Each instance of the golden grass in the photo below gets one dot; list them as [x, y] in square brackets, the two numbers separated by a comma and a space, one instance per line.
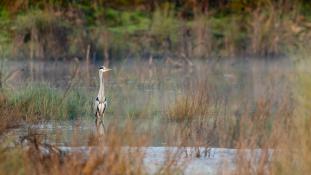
[266, 126]
[107, 156]
[10, 115]
[192, 104]
[283, 128]
[287, 136]
[294, 141]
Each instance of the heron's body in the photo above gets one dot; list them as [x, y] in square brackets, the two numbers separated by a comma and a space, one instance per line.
[101, 102]
[100, 106]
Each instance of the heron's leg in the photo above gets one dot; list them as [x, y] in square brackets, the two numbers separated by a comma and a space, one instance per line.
[102, 124]
[100, 128]
[97, 122]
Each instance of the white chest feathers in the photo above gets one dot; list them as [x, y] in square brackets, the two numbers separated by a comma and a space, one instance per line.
[100, 106]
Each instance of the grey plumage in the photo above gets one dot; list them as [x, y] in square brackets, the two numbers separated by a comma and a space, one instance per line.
[101, 102]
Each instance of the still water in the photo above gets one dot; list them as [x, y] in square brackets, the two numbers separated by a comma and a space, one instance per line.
[142, 92]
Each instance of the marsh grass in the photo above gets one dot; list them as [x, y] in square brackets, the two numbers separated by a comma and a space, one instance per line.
[44, 102]
[108, 155]
[264, 126]
[296, 139]
[203, 118]
[11, 161]
[191, 105]
[271, 25]
[208, 119]
[10, 116]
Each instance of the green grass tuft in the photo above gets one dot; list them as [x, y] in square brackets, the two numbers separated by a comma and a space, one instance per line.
[44, 102]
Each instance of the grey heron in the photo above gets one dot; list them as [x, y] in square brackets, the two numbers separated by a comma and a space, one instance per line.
[101, 102]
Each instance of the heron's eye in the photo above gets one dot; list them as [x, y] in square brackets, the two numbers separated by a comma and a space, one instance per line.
[101, 67]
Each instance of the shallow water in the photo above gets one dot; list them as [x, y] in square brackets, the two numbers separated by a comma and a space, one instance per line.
[142, 92]
[186, 160]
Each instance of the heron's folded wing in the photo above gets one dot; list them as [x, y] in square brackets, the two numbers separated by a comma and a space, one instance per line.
[96, 103]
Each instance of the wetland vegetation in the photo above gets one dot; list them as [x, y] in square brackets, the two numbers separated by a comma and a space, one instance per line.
[188, 76]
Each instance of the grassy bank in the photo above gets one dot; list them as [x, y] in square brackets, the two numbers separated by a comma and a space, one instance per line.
[36, 103]
[64, 30]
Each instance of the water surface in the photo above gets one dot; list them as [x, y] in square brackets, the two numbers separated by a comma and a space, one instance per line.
[142, 92]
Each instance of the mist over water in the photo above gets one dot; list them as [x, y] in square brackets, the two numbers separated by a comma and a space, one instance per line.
[142, 92]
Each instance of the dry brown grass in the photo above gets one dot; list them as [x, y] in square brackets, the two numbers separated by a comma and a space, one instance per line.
[263, 128]
[283, 128]
[264, 125]
[190, 105]
[272, 31]
[108, 155]
[10, 115]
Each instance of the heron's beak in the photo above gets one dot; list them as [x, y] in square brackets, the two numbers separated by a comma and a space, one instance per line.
[107, 69]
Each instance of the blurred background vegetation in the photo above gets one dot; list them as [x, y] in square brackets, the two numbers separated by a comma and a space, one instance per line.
[192, 29]
[232, 103]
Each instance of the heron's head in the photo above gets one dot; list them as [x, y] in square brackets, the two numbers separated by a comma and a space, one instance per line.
[103, 69]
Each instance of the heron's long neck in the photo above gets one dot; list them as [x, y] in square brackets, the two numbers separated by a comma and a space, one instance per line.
[101, 92]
